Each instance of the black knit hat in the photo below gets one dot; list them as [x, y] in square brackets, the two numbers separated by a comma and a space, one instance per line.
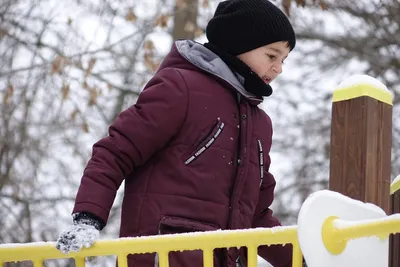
[239, 26]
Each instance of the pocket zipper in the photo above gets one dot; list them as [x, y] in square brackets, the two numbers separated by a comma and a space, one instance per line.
[261, 159]
[207, 145]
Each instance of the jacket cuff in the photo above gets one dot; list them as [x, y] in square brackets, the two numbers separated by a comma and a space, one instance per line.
[88, 219]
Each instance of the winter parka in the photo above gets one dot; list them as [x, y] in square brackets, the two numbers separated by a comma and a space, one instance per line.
[194, 154]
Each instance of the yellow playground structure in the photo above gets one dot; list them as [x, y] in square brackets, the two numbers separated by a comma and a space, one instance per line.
[334, 239]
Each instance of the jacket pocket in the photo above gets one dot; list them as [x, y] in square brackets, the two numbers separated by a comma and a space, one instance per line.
[206, 142]
[176, 225]
[193, 258]
[261, 160]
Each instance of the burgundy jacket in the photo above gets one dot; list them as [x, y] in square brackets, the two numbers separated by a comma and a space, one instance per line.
[194, 154]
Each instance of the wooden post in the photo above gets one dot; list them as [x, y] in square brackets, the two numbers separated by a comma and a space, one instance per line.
[395, 208]
[361, 142]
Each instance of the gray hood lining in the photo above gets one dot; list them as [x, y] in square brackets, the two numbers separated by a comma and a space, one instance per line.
[207, 60]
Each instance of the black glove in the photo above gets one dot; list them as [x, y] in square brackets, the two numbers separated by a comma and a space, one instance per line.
[83, 233]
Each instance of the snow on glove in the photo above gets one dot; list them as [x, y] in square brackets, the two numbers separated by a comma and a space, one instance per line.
[83, 233]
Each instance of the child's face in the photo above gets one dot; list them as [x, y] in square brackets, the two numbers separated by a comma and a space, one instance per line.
[267, 60]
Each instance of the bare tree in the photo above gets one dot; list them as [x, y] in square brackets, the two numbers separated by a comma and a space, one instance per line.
[343, 38]
[60, 89]
[185, 19]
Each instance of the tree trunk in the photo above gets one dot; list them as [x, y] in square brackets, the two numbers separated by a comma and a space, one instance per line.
[185, 19]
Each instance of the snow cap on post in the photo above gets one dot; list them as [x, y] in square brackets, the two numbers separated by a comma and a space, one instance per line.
[362, 85]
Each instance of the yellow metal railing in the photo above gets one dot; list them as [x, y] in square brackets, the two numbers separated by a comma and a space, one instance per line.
[395, 186]
[251, 238]
[335, 234]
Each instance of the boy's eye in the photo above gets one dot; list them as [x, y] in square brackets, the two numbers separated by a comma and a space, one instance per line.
[272, 57]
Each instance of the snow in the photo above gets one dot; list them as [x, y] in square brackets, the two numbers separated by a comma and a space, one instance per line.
[261, 230]
[362, 79]
[324, 204]
[88, 234]
[77, 237]
[24, 245]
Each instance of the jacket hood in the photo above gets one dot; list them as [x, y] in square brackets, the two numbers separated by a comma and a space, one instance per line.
[205, 59]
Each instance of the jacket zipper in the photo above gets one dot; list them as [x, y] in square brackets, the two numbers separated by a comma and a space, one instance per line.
[239, 262]
[236, 160]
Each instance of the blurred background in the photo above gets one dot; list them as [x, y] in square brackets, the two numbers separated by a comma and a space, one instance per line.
[68, 68]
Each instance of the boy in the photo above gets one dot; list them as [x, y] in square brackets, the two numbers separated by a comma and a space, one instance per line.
[194, 149]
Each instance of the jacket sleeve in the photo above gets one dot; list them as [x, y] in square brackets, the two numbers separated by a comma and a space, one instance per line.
[135, 135]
